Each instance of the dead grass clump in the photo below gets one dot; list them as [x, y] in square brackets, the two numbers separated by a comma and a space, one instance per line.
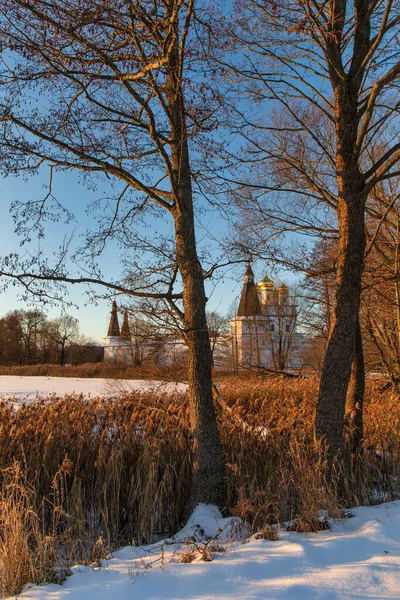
[281, 475]
[204, 549]
[188, 555]
[308, 525]
[268, 532]
[284, 406]
[259, 510]
[121, 468]
[309, 486]
[27, 553]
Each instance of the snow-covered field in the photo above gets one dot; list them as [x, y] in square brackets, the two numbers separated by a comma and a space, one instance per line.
[28, 388]
[358, 559]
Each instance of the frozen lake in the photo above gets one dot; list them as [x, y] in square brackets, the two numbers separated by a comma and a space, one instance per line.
[29, 388]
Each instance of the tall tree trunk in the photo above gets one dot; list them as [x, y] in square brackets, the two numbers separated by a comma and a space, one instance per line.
[355, 393]
[329, 425]
[339, 354]
[208, 482]
[208, 485]
[396, 272]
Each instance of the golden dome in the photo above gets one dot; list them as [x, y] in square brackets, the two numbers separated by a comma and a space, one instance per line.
[266, 282]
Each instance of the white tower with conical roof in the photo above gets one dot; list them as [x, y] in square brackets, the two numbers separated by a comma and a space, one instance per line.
[117, 344]
[265, 324]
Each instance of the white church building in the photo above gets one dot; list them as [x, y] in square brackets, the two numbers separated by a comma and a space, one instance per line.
[118, 343]
[262, 335]
[136, 343]
[264, 332]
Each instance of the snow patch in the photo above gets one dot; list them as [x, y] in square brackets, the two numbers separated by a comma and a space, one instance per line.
[358, 559]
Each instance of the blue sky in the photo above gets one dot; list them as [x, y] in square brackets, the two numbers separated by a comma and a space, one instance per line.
[70, 192]
[15, 188]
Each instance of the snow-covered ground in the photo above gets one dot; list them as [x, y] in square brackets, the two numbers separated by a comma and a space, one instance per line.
[28, 388]
[358, 559]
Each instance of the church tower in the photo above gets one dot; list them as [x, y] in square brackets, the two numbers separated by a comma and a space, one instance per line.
[249, 326]
[113, 339]
[125, 330]
[249, 305]
[113, 328]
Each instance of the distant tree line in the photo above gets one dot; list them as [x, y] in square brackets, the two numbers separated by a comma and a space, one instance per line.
[31, 338]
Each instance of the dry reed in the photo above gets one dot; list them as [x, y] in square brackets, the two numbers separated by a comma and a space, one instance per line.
[103, 370]
[102, 473]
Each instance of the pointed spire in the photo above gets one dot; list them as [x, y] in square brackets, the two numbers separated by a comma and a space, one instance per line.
[249, 305]
[113, 329]
[125, 330]
[249, 275]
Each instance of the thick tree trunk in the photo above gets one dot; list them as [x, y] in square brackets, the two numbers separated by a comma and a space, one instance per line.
[329, 426]
[355, 393]
[208, 483]
[339, 354]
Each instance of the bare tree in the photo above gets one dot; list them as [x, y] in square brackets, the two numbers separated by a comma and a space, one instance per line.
[283, 315]
[218, 327]
[30, 326]
[83, 350]
[11, 340]
[122, 93]
[331, 71]
[63, 331]
[146, 342]
[27, 337]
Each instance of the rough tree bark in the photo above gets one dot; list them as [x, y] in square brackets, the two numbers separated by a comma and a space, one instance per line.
[339, 354]
[352, 196]
[355, 393]
[336, 370]
[208, 484]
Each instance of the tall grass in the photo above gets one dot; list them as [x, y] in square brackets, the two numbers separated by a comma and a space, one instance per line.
[93, 475]
[102, 369]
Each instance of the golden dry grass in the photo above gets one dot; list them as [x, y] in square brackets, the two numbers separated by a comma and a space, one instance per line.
[99, 370]
[97, 474]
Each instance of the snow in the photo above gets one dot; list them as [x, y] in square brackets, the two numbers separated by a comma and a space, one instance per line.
[26, 389]
[358, 559]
